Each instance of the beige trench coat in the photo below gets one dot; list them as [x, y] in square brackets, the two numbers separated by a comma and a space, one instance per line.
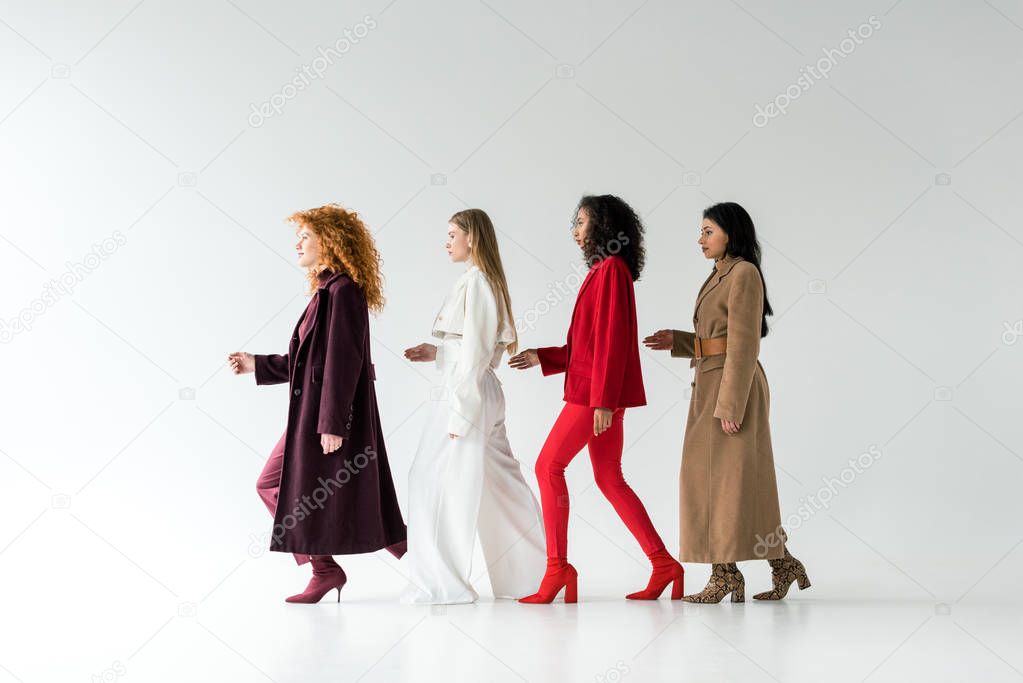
[728, 495]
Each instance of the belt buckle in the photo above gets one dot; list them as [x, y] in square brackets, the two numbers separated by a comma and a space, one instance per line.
[697, 347]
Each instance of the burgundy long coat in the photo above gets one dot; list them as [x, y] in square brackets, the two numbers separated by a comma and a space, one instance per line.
[342, 503]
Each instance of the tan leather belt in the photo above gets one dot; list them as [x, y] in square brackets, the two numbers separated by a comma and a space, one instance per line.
[714, 346]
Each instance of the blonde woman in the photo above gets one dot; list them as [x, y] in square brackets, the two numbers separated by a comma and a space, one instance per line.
[464, 479]
[327, 482]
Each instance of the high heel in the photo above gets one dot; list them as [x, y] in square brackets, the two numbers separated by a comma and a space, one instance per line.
[327, 576]
[572, 590]
[724, 579]
[666, 570]
[784, 572]
[560, 574]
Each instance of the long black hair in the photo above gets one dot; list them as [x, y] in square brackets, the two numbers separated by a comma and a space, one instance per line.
[615, 229]
[742, 241]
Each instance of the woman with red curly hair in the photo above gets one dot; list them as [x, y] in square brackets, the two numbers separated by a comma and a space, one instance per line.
[327, 482]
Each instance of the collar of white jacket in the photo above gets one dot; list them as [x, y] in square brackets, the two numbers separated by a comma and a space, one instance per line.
[451, 317]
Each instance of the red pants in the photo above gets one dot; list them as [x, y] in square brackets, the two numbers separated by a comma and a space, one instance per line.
[268, 486]
[571, 431]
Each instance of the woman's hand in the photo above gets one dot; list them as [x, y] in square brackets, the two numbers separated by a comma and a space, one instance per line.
[661, 340]
[729, 427]
[241, 362]
[422, 353]
[330, 443]
[601, 420]
[524, 359]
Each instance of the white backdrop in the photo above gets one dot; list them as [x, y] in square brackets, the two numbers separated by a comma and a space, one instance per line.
[150, 151]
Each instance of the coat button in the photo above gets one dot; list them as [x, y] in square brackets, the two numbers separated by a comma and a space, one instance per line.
[299, 364]
[297, 392]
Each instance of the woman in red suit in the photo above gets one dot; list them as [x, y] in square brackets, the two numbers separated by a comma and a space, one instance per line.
[602, 378]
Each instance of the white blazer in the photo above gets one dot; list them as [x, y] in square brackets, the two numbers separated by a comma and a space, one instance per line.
[470, 311]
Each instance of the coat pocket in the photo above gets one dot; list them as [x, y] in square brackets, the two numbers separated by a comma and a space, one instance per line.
[317, 374]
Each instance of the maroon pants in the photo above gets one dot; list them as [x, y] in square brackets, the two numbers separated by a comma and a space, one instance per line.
[572, 430]
[268, 486]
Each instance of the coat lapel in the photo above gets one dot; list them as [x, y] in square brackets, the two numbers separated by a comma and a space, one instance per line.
[586, 281]
[321, 306]
[579, 295]
[715, 279]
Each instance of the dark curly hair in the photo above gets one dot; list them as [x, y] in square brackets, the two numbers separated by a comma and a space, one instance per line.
[615, 229]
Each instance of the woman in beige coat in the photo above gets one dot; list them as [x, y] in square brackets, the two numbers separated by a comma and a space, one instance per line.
[728, 496]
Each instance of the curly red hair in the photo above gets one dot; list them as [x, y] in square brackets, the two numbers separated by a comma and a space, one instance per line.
[346, 246]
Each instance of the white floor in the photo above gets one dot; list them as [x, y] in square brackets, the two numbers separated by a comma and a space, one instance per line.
[108, 619]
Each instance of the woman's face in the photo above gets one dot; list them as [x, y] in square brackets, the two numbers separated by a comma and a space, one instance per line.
[308, 248]
[581, 227]
[458, 245]
[713, 239]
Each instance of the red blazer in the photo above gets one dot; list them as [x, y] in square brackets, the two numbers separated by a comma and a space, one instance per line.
[601, 358]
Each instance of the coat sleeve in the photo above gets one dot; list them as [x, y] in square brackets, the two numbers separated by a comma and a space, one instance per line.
[479, 339]
[271, 368]
[553, 359]
[343, 365]
[682, 344]
[613, 324]
[745, 316]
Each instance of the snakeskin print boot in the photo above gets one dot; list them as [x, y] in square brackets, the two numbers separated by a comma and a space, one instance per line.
[724, 579]
[784, 572]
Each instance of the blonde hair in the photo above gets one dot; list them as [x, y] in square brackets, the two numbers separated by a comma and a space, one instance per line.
[346, 246]
[487, 256]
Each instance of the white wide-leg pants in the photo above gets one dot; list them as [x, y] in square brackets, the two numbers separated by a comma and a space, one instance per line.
[464, 486]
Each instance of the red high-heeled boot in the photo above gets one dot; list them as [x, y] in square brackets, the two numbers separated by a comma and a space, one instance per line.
[666, 570]
[560, 574]
[327, 575]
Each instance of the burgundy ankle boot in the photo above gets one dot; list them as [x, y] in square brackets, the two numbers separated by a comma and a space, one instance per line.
[327, 575]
